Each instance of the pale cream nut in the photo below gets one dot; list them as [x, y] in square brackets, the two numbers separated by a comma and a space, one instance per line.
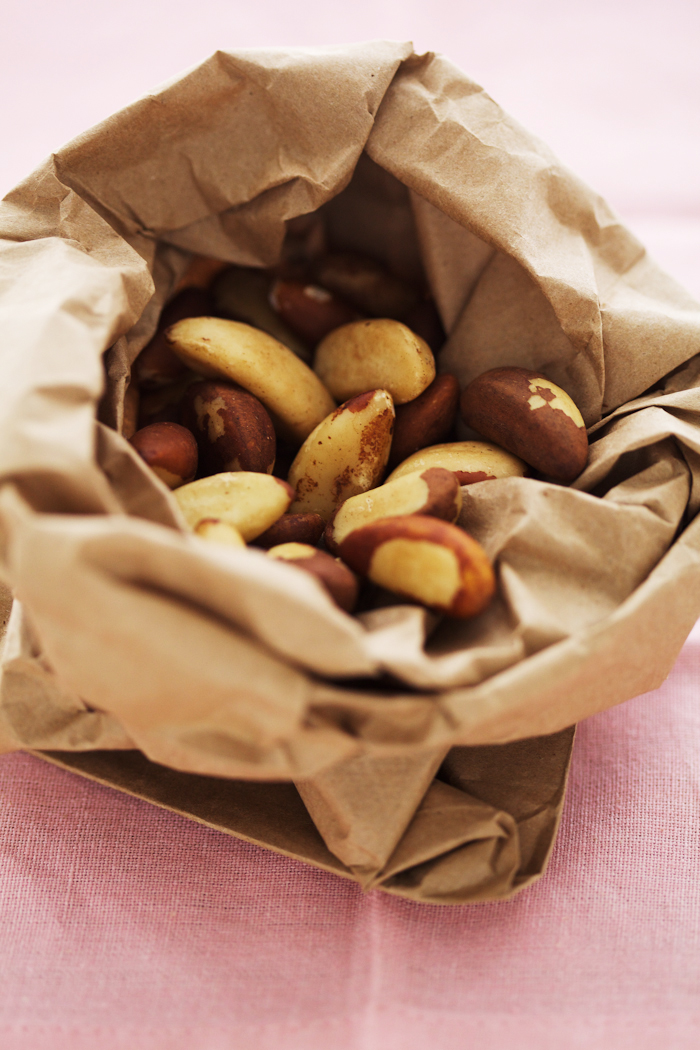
[249, 501]
[375, 353]
[214, 530]
[291, 392]
[471, 461]
[344, 455]
[434, 491]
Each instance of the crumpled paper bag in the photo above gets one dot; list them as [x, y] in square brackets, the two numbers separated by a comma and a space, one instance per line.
[430, 756]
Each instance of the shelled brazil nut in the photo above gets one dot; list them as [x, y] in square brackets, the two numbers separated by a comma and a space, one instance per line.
[469, 461]
[220, 349]
[345, 454]
[530, 416]
[428, 560]
[434, 492]
[340, 581]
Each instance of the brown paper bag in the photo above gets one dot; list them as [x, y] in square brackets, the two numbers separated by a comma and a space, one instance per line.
[206, 679]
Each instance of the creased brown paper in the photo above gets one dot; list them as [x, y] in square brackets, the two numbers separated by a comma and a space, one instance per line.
[222, 667]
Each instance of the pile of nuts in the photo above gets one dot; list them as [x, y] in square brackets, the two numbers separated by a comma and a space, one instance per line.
[273, 403]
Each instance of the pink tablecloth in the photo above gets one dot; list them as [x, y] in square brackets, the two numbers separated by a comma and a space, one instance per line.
[125, 927]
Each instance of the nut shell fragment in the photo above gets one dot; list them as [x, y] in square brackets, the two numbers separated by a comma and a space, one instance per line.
[425, 559]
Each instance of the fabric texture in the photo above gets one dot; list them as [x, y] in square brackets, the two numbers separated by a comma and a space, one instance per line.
[126, 926]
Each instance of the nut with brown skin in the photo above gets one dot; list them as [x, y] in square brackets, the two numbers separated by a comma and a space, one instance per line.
[130, 416]
[434, 492]
[469, 461]
[248, 501]
[232, 428]
[366, 284]
[170, 451]
[375, 353]
[530, 416]
[214, 530]
[426, 420]
[218, 349]
[292, 528]
[310, 311]
[340, 582]
[425, 559]
[344, 455]
[157, 365]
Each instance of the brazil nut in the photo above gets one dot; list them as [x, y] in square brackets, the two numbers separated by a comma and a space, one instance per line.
[340, 582]
[170, 451]
[530, 416]
[425, 559]
[434, 492]
[426, 420]
[344, 455]
[469, 461]
[380, 352]
[250, 502]
[232, 428]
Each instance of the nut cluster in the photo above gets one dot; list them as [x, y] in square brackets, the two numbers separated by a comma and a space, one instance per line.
[275, 402]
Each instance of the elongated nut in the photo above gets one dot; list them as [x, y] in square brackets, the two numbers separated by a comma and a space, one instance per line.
[232, 428]
[214, 530]
[340, 582]
[428, 560]
[248, 501]
[292, 528]
[170, 451]
[344, 455]
[220, 349]
[366, 284]
[377, 353]
[434, 492]
[309, 310]
[426, 420]
[469, 461]
[243, 294]
[529, 415]
[157, 365]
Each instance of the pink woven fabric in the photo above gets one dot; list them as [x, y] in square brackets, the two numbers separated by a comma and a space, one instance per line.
[124, 926]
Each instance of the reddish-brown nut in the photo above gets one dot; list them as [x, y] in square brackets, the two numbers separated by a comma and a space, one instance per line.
[232, 428]
[424, 320]
[158, 365]
[366, 285]
[529, 415]
[426, 420]
[425, 559]
[435, 492]
[310, 311]
[170, 451]
[163, 405]
[292, 528]
[340, 582]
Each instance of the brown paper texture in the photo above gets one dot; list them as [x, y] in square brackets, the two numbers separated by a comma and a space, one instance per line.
[128, 635]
